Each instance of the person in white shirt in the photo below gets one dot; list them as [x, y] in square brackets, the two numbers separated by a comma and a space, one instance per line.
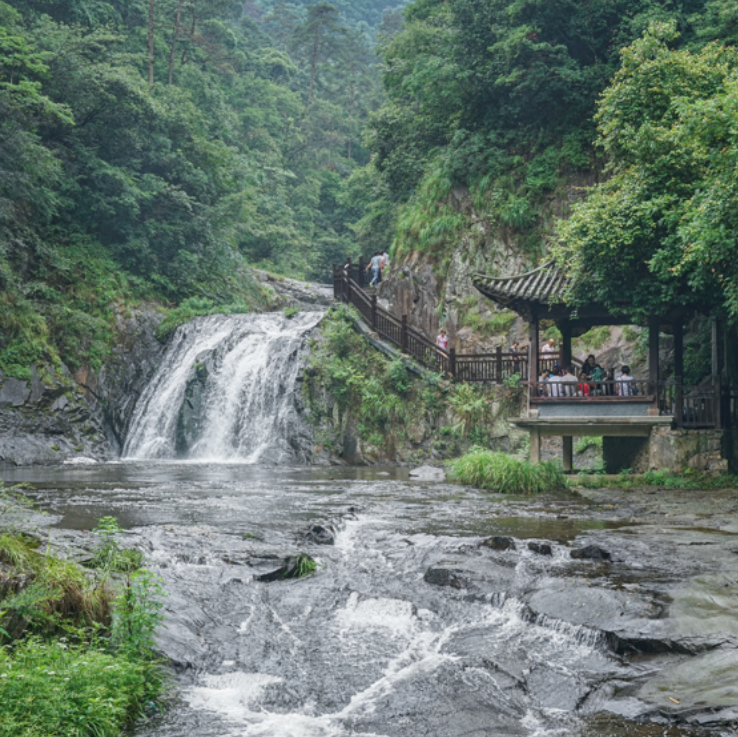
[625, 382]
[549, 347]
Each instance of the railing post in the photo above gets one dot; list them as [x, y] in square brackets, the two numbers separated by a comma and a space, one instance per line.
[360, 280]
[374, 312]
[452, 361]
[498, 364]
[403, 334]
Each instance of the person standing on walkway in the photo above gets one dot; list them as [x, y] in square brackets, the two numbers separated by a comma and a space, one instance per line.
[375, 265]
[442, 340]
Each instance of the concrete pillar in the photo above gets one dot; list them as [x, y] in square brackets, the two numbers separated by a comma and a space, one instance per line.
[535, 445]
[568, 453]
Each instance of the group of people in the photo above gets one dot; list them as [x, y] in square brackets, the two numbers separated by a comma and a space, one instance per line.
[590, 380]
[378, 263]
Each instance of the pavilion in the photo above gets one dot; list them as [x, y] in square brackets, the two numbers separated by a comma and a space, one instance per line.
[652, 424]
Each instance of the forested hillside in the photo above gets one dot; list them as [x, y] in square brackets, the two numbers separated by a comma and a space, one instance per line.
[153, 149]
[498, 97]
[156, 149]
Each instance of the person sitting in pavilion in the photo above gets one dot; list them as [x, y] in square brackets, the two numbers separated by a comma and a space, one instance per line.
[625, 383]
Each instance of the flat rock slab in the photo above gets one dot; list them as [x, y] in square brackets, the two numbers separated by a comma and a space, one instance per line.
[428, 473]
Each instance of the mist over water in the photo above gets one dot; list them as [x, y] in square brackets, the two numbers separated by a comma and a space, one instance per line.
[226, 390]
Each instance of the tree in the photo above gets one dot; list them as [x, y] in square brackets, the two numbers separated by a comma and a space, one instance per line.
[318, 40]
[663, 229]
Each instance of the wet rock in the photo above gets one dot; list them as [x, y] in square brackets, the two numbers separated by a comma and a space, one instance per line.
[540, 548]
[444, 577]
[321, 535]
[14, 393]
[590, 552]
[294, 566]
[498, 542]
[428, 473]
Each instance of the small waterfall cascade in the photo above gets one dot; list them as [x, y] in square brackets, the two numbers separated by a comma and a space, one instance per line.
[226, 389]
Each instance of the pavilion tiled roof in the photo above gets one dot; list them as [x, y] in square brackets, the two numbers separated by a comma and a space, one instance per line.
[544, 285]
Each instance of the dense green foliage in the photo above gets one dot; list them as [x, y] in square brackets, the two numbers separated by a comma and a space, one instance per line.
[490, 111]
[56, 689]
[76, 650]
[662, 230]
[155, 150]
[396, 414]
[505, 473]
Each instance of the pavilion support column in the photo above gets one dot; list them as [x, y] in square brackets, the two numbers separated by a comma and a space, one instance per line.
[535, 445]
[565, 344]
[718, 347]
[533, 374]
[653, 362]
[534, 349]
[678, 328]
[568, 453]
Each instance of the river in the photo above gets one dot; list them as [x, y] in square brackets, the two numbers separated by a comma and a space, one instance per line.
[410, 625]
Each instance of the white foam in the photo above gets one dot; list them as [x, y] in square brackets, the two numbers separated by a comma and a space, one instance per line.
[230, 695]
[393, 614]
[80, 461]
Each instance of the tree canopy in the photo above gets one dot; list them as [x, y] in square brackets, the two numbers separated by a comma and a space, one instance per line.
[663, 228]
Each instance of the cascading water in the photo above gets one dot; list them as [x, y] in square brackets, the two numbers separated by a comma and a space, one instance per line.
[225, 390]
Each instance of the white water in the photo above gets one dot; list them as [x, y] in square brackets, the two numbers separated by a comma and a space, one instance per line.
[249, 395]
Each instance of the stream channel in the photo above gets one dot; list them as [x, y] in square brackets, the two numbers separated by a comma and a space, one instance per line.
[411, 626]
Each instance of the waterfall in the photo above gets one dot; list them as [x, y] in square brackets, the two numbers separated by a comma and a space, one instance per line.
[226, 389]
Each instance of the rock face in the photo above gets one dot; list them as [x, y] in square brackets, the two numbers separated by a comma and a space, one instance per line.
[56, 416]
[47, 420]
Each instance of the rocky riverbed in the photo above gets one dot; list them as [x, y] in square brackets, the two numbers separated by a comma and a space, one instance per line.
[434, 609]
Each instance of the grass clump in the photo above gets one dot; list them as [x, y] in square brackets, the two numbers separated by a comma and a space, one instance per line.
[505, 473]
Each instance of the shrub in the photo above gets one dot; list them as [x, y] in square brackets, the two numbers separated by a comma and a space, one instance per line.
[505, 473]
[108, 555]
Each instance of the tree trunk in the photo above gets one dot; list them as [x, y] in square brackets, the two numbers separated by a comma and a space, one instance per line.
[313, 68]
[151, 43]
[351, 113]
[174, 41]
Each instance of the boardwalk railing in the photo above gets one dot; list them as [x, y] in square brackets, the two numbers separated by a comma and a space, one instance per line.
[492, 368]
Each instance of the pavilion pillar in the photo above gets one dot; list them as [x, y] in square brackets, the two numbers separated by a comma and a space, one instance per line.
[565, 328]
[678, 327]
[568, 453]
[718, 347]
[533, 354]
[534, 349]
[653, 362]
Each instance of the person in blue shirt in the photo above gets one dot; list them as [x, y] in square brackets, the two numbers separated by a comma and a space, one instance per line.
[376, 265]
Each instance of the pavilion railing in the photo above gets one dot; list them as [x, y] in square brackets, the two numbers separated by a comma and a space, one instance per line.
[591, 391]
[697, 407]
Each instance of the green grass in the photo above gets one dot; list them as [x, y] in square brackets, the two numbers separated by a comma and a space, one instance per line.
[587, 442]
[56, 689]
[76, 649]
[505, 473]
